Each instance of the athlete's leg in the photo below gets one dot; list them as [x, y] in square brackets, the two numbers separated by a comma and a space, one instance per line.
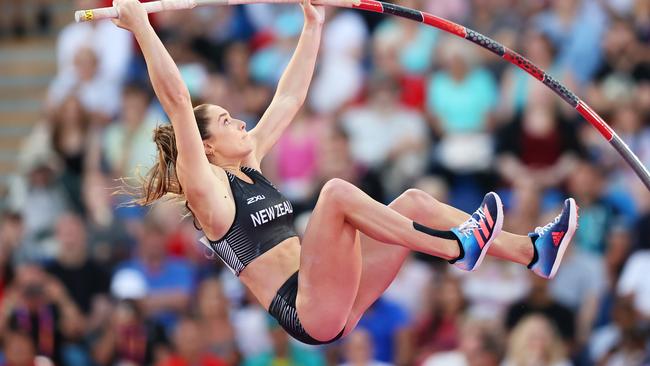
[381, 262]
[330, 262]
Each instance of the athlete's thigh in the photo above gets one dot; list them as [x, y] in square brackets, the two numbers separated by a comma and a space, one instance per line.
[382, 261]
[330, 268]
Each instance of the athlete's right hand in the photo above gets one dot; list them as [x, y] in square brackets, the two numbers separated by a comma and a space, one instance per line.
[131, 13]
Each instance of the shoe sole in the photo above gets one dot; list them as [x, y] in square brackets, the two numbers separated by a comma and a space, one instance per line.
[497, 230]
[573, 225]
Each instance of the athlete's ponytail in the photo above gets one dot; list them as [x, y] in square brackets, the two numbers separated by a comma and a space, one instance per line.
[161, 178]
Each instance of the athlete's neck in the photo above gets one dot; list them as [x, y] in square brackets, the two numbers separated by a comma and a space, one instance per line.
[234, 169]
[230, 165]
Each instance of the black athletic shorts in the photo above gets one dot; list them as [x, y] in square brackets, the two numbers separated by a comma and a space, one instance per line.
[283, 309]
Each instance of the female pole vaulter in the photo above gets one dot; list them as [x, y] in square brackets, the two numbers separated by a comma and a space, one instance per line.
[318, 287]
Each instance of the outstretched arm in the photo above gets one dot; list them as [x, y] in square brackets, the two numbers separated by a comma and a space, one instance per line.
[192, 166]
[293, 86]
[165, 79]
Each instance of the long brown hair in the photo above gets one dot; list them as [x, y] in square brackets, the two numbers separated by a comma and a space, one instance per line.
[161, 179]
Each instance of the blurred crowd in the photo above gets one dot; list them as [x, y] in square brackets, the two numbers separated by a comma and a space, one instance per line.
[87, 279]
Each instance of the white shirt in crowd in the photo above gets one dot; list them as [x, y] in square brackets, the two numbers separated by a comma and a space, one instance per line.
[113, 48]
[453, 358]
[374, 134]
[409, 288]
[340, 74]
[634, 281]
[112, 45]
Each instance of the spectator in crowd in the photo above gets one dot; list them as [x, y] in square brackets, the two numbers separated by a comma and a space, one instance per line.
[633, 280]
[390, 329]
[579, 287]
[534, 341]
[19, 350]
[358, 350]
[285, 351]
[169, 280]
[10, 237]
[385, 135]
[98, 96]
[190, 348]
[518, 88]
[22, 19]
[335, 159]
[226, 89]
[251, 325]
[539, 301]
[440, 329]
[127, 143]
[628, 120]
[68, 136]
[128, 337]
[622, 67]
[622, 341]
[106, 232]
[575, 27]
[256, 96]
[410, 288]
[538, 146]
[40, 307]
[214, 321]
[40, 199]
[293, 160]
[124, 334]
[631, 350]
[266, 65]
[597, 215]
[411, 87]
[413, 42]
[461, 97]
[110, 46]
[619, 246]
[341, 76]
[523, 205]
[480, 345]
[496, 285]
[84, 280]
[70, 139]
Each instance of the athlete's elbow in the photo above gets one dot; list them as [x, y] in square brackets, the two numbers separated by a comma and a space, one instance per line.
[292, 101]
[177, 99]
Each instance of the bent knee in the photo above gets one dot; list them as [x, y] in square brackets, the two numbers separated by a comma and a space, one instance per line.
[323, 327]
[417, 196]
[336, 190]
[414, 203]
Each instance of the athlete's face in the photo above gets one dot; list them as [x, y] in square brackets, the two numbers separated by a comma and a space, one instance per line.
[228, 136]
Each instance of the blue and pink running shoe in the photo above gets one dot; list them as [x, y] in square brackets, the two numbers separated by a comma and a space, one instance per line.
[477, 233]
[551, 241]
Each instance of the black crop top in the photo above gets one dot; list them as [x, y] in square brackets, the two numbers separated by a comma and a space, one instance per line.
[263, 219]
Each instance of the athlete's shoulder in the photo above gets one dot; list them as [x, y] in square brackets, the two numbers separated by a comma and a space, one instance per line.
[219, 172]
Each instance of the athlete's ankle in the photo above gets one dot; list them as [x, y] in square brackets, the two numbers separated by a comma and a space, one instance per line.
[443, 234]
[535, 257]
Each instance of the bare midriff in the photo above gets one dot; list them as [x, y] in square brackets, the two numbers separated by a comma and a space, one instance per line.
[268, 272]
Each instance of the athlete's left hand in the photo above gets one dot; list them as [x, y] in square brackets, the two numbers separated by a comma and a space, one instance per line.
[314, 14]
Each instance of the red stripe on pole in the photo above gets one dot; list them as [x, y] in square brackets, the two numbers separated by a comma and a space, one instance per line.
[445, 25]
[519, 60]
[595, 120]
[370, 5]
